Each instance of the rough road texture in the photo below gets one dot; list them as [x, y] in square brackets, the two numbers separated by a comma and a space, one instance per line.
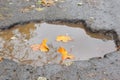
[98, 14]
[107, 68]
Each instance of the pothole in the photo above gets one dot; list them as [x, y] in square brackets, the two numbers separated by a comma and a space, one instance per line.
[15, 43]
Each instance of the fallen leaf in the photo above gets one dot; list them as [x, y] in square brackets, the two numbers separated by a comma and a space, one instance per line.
[26, 9]
[65, 54]
[26, 61]
[47, 2]
[1, 58]
[63, 38]
[42, 47]
[118, 48]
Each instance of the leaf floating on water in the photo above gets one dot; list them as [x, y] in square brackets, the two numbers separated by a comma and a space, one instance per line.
[63, 38]
[42, 78]
[65, 54]
[42, 47]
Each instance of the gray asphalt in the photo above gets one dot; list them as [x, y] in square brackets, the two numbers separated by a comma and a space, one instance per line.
[98, 15]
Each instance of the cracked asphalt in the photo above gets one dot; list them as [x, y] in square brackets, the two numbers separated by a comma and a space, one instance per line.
[98, 15]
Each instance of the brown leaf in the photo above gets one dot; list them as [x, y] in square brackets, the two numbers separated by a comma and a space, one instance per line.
[47, 2]
[1, 58]
[26, 9]
[118, 48]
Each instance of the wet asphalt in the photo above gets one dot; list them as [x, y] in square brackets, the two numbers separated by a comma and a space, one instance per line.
[98, 16]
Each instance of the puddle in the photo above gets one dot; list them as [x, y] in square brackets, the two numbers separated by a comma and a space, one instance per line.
[15, 43]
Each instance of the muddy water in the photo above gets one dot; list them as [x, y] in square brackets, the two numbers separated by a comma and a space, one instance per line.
[15, 43]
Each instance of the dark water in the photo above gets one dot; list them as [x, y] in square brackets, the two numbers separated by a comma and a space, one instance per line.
[15, 43]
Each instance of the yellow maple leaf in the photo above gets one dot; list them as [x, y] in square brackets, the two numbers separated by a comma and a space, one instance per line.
[42, 47]
[63, 38]
[65, 54]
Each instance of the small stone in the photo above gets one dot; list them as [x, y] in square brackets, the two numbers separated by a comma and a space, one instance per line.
[56, 0]
[10, 3]
[68, 63]
[105, 79]
[25, 40]
[92, 18]
[42, 78]
[13, 38]
[62, 0]
[32, 6]
[39, 9]
[80, 4]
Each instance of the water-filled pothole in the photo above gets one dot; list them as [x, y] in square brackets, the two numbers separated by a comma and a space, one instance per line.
[15, 43]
